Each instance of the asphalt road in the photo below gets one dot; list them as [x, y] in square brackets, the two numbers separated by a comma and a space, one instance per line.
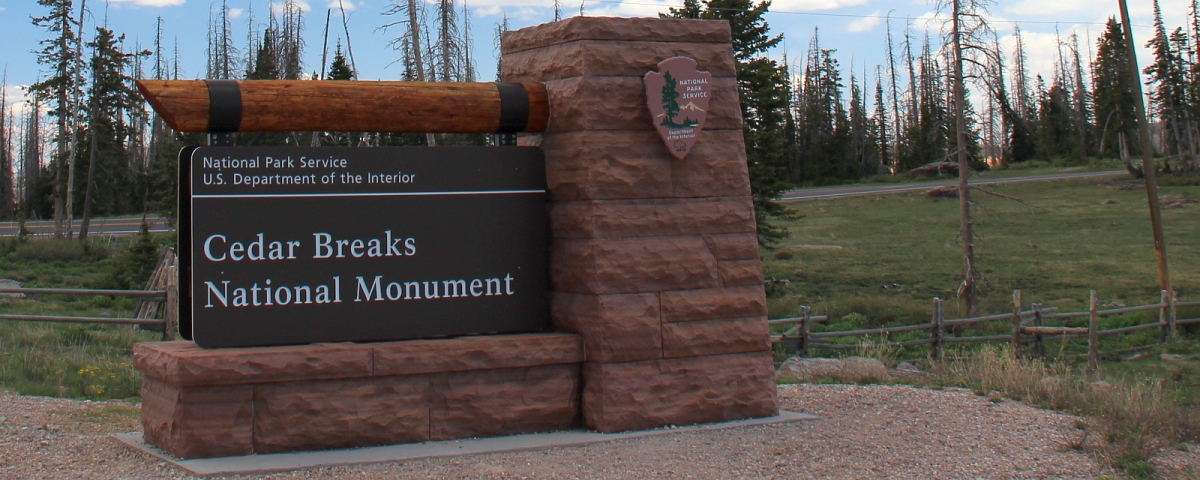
[850, 191]
[98, 226]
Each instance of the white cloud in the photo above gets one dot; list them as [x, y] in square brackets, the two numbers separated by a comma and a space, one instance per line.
[18, 101]
[236, 12]
[638, 9]
[1042, 8]
[810, 5]
[277, 7]
[153, 3]
[493, 10]
[346, 5]
[864, 24]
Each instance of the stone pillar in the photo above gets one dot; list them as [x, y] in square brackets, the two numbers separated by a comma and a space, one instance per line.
[654, 261]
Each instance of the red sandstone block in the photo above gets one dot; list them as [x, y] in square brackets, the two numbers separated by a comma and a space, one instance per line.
[740, 246]
[713, 303]
[621, 29]
[631, 265]
[717, 163]
[586, 165]
[651, 217]
[185, 364]
[715, 337]
[197, 422]
[340, 414]
[476, 353]
[612, 58]
[678, 391]
[619, 103]
[504, 402]
[630, 164]
[738, 273]
[615, 328]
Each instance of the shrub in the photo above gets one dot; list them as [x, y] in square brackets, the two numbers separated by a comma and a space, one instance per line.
[132, 268]
[57, 250]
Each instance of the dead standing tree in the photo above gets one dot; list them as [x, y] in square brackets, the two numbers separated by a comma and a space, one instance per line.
[967, 41]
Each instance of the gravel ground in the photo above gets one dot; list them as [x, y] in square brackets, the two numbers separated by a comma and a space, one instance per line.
[863, 431]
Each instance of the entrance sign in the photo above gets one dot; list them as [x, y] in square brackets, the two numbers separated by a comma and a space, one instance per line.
[292, 245]
[678, 98]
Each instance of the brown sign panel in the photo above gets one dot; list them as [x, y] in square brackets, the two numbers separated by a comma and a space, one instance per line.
[678, 95]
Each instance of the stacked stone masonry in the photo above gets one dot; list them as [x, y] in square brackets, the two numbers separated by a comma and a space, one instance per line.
[654, 261]
[200, 403]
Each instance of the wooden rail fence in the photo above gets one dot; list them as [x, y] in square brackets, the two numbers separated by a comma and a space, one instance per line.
[162, 290]
[1027, 327]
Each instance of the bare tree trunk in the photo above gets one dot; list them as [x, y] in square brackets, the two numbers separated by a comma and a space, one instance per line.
[75, 131]
[63, 151]
[88, 191]
[967, 291]
[1124, 142]
[1080, 107]
[912, 80]
[896, 132]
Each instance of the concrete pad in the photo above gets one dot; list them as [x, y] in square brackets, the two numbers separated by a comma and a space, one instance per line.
[282, 462]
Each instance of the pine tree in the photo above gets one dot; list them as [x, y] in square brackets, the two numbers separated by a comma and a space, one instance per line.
[34, 184]
[1112, 95]
[763, 91]
[882, 135]
[1168, 97]
[339, 69]
[60, 86]
[1083, 100]
[825, 153]
[265, 66]
[109, 187]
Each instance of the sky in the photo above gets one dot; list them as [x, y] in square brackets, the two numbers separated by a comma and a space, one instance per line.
[855, 28]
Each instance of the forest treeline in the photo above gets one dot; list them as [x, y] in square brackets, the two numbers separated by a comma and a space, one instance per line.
[809, 120]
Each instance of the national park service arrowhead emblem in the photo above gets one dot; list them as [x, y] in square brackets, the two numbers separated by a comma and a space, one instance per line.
[677, 95]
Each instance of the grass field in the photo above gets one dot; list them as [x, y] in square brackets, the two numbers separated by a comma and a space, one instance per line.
[67, 360]
[878, 261]
[891, 254]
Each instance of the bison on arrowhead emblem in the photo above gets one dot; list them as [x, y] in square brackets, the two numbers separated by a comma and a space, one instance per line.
[678, 95]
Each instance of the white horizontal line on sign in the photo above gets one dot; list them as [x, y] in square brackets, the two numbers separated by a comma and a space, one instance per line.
[375, 194]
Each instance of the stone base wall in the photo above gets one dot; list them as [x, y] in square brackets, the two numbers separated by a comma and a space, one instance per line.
[200, 403]
[653, 260]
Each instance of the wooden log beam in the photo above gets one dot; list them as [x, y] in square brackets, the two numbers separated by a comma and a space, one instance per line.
[1053, 330]
[348, 106]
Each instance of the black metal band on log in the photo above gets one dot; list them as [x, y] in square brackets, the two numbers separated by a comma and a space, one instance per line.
[224, 106]
[514, 107]
[348, 106]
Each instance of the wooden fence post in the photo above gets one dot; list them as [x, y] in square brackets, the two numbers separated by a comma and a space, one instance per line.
[804, 339]
[1171, 315]
[938, 332]
[1164, 304]
[1093, 335]
[1016, 324]
[171, 306]
[1039, 340]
